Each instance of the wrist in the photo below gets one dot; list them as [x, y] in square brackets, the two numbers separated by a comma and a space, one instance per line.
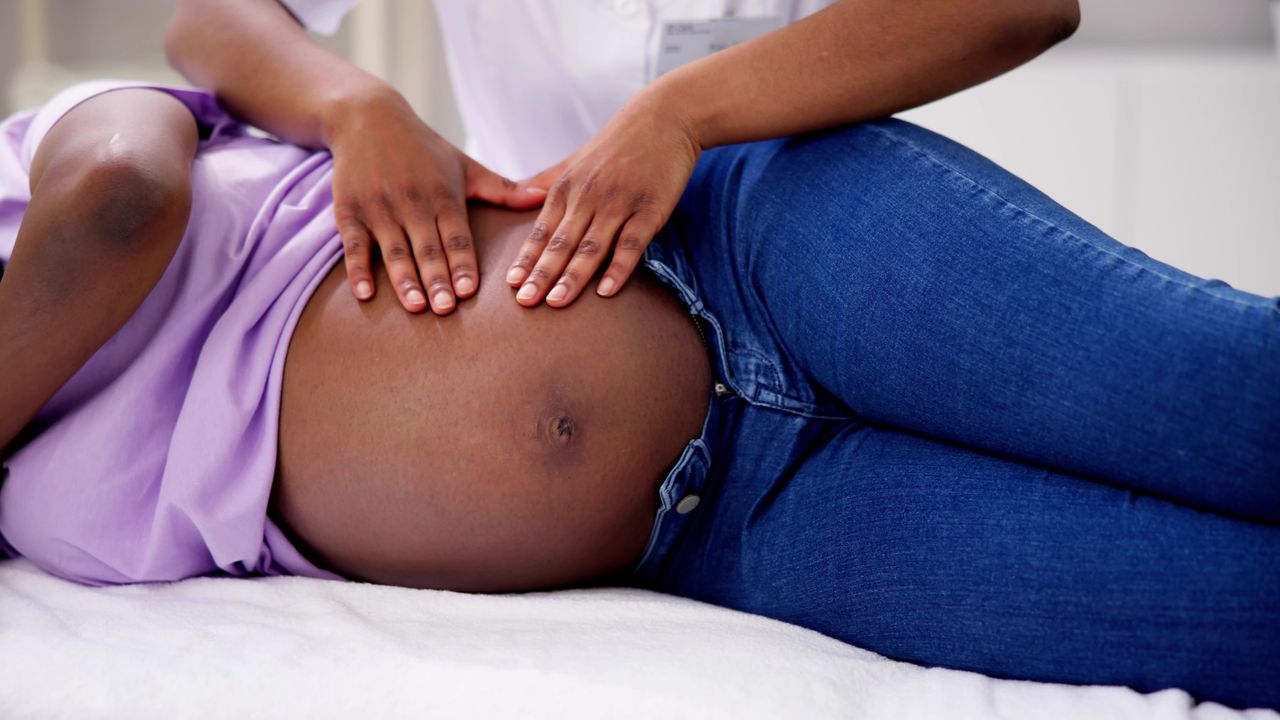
[672, 96]
[355, 109]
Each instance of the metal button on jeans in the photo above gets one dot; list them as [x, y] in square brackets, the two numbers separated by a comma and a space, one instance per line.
[722, 390]
[687, 504]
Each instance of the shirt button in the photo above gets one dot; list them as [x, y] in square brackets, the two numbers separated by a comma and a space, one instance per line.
[721, 389]
[687, 504]
[626, 7]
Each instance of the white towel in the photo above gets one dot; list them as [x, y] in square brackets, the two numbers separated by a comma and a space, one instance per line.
[293, 647]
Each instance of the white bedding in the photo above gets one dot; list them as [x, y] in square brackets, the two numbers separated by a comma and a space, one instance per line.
[292, 647]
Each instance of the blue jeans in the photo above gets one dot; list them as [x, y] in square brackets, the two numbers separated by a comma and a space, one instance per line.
[957, 425]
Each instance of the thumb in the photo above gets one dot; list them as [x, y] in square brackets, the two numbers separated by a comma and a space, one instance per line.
[488, 186]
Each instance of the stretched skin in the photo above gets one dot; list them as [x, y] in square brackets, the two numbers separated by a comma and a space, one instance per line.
[498, 448]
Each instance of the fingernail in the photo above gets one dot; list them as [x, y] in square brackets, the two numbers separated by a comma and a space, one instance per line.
[414, 297]
[464, 286]
[557, 293]
[605, 287]
[442, 300]
[364, 290]
[536, 190]
[515, 275]
[527, 292]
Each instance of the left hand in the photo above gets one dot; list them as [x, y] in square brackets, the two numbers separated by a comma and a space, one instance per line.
[620, 186]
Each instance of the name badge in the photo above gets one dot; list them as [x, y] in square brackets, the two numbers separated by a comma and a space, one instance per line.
[686, 41]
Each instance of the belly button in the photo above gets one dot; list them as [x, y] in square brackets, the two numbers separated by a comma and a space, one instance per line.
[560, 429]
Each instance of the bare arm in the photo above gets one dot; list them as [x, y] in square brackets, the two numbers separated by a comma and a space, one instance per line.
[857, 60]
[397, 184]
[265, 68]
[110, 199]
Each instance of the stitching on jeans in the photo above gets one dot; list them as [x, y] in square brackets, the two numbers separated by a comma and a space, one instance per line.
[930, 157]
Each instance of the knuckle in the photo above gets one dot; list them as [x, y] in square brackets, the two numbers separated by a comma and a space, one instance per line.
[589, 247]
[462, 270]
[538, 236]
[410, 194]
[559, 242]
[539, 275]
[524, 260]
[611, 194]
[428, 252]
[571, 277]
[631, 243]
[380, 203]
[458, 242]
[355, 243]
[346, 210]
[558, 193]
[444, 200]
[643, 200]
[396, 252]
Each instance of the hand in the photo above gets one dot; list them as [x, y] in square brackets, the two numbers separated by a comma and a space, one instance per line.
[399, 185]
[621, 185]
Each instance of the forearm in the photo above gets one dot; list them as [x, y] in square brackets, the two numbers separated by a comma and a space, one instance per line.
[265, 68]
[857, 60]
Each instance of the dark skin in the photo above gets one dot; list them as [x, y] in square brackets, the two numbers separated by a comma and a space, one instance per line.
[494, 449]
[456, 452]
[110, 197]
[401, 188]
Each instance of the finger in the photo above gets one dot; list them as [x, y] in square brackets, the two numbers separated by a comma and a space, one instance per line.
[633, 239]
[548, 220]
[585, 261]
[356, 256]
[459, 251]
[545, 179]
[398, 258]
[488, 186]
[431, 266]
[555, 256]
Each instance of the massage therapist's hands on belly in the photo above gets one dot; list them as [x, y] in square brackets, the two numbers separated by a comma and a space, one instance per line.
[400, 186]
[397, 184]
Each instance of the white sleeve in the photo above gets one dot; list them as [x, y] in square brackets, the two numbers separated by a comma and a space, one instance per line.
[319, 16]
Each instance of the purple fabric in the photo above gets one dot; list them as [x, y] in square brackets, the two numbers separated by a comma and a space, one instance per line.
[155, 461]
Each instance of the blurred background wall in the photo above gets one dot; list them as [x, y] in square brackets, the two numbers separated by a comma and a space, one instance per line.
[1159, 121]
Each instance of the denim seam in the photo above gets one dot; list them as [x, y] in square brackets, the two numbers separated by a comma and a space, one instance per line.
[931, 158]
[695, 306]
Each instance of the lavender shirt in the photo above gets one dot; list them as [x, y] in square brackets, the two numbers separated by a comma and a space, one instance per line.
[155, 461]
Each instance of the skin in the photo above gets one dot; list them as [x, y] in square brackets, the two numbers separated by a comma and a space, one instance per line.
[491, 450]
[496, 449]
[110, 197]
[400, 187]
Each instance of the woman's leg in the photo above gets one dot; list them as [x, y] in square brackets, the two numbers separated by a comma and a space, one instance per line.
[911, 282]
[939, 555]
[110, 193]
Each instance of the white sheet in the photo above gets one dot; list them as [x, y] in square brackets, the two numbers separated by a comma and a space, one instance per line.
[292, 647]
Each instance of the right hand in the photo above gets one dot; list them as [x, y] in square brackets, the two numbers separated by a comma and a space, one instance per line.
[397, 184]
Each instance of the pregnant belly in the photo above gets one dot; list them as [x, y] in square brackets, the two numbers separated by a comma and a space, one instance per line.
[496, 449]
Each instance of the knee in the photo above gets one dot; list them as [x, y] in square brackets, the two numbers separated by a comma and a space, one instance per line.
[122, 198]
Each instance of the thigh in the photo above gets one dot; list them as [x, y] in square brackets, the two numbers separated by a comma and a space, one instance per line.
[927, 289]
[939, 555]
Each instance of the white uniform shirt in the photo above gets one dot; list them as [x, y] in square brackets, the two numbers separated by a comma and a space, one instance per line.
[534, 79]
